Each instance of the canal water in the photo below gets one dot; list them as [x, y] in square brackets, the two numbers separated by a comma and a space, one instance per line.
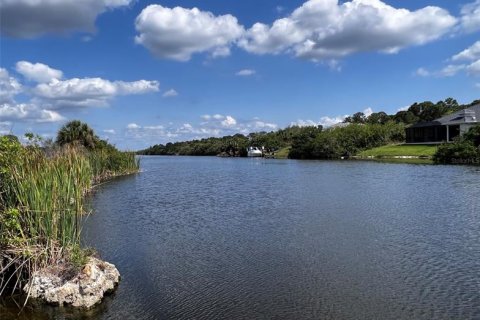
[216, 238]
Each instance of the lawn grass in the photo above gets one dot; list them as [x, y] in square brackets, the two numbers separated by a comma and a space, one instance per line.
[402, 160]
[282, 153]
[401, 150]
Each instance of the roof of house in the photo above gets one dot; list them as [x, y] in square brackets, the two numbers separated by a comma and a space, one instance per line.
[468, 115]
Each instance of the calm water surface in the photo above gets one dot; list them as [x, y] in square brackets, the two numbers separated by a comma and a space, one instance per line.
[211, 238]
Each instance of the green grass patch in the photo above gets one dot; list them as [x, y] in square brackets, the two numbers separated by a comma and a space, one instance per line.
[401, 150]
[282, 153]
[402, 160]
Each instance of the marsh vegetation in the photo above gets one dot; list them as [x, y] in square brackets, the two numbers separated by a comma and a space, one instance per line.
[42, 190]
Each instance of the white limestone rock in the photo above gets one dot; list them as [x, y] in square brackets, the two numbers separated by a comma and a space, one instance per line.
[84, 290]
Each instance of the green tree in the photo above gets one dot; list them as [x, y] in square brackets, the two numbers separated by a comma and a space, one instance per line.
[451, 103]
[304, 142]
[77, 133]
[406, 117]
[378, 118]
[358, 117]
[473, 135]
[11, 137]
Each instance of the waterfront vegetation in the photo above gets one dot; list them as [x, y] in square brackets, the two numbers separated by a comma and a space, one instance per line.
[311, 142]
[282, 153]
[359, 135]
[347, 141]
[42, 189]
[464, 150]
[400, 150]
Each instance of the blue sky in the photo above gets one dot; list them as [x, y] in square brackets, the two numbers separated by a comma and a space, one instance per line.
[147, 72]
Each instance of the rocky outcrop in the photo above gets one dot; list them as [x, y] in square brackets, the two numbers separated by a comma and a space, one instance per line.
[84, 290]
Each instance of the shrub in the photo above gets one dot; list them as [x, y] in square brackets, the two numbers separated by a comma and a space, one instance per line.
[349, 140]
[464, 150]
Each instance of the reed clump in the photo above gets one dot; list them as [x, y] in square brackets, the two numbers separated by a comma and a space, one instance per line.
[42, 204]
[108, 163]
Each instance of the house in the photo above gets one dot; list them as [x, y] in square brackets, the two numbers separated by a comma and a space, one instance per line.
[445, 128]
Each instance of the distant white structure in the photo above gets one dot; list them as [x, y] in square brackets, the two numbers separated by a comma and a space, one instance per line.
[254, 152]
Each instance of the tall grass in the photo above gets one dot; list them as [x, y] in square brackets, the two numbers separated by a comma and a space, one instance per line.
[106, 163]
[41, 204]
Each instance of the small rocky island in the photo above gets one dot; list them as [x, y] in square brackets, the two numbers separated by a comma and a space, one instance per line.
[85, 289]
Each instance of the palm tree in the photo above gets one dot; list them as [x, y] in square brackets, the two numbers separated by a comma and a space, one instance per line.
[77, 132]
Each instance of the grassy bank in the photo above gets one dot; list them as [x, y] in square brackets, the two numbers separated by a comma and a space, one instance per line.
[42, 193]
[400, 150]
[401, 160]
[282, 153]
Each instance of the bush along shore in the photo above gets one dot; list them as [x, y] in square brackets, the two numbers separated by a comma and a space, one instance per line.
[464, 150]
[42, 190]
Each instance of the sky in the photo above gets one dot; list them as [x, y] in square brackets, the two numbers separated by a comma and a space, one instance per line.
[149, 72]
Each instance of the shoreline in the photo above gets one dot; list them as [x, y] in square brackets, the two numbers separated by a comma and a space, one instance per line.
[85, 288]
[42, 198]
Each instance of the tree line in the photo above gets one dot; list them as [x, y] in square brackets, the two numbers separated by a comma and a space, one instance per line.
[234, 145]
[357, 133]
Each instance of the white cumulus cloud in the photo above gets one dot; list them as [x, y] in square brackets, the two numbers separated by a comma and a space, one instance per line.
[327, 29]
[470, 17]
[469, 54]
[229, 121]
[134, 87]
[9, 86]
[227, 124]
[261, 125]
[133, 126]
[324, 122]
[5, 127]
[327, 121]
[474, 68]
[28, 112]
[467, 61]
[246, 72]
[51, 93]
[170, 93]
[471, 58]
[178, 33]
[32, 18]
[422, 72]
[89, 92]
[368, 111]
[10, 110]
[215, 125]
[37, 72]
[451, 70]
